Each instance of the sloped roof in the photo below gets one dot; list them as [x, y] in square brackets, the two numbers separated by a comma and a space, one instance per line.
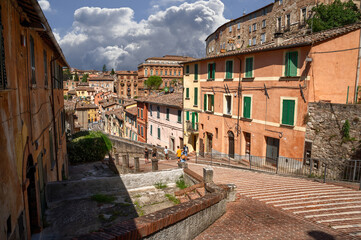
[172, 100]
[132, 111]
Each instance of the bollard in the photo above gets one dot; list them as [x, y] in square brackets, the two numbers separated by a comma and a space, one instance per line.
[136, 164]
[208, 175]
[154, 165]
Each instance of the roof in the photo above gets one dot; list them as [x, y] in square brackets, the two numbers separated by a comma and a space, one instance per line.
[100, 79]
[172, 100]
[292, 41]
[171, 57]
[109, 104]
[126, 72]
[81, 105]
[72, 92]
[69, 105]
[118, 113]
[37, 20]
[132, 111]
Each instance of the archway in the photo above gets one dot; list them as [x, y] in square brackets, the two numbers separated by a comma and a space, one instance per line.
[230, 144]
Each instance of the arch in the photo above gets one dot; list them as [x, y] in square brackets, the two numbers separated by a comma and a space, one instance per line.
[230, 144]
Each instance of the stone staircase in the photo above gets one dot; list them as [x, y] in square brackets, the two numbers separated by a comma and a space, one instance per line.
[191, 193]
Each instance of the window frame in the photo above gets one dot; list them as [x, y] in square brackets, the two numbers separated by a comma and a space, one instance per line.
[295, 99]
[287, 73]
[187, 93]
[250, 110]
[196, 70]
[211, 76]
[167, 114]
[179, 120]
[195, 96]
[225, 105]
[206, 102]
[225, 72]
[245, 67]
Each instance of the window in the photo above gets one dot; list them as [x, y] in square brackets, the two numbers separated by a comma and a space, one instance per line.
[170, 72]
[167, 117]
[187, 93]
[141, 131]
[291, 64]
[194, 121]
[264, 23]
[263, 38]
[211, 70]
[247, 101]
[250, 29]
[179, 116]
[158, 112]
[151, 130]
[208, 102]
[229, 69]
[279, 24]
[141, 113]
[250, 42]
[187, 115]
[195, 72]
[254, 27]
[264, 11]
[303, 16]
[45, 69]
[288, 112]
[156, 72]
[138, 129]
[158, 133]
[138, 113]
[32, 60]
[187, 69]
[239, 26]
[227, 105]
[196, 96]
[151, 72]
[280, 2]
[151, 110]
[230, 29]
[161, 72]
[165, 72]
[254, 41]
[288, 21]
[249, 67]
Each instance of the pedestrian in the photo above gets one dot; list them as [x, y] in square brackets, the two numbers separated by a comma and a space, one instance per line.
[185, 150]
[179, 153]
[154, 153]
[166, 153]
[146, 155]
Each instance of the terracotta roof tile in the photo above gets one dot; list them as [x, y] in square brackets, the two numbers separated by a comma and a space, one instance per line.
[172, 100]
[132, 111]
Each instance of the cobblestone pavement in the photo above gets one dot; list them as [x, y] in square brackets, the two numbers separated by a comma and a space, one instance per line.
[278, 207]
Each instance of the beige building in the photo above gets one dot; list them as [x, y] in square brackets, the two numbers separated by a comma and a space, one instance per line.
[168, 67]
[102, 83]
[126, 84]
[86, 113]
[191, 104]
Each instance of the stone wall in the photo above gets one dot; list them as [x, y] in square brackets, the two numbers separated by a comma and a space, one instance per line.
[324, 130]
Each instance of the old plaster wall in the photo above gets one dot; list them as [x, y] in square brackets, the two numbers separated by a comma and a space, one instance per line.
[324, 130]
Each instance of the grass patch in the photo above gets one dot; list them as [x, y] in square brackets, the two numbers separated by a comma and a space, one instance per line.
[137, 196]
[101, 198]
[160, 185]
[172, 198]
[180, 183]
[139, 209]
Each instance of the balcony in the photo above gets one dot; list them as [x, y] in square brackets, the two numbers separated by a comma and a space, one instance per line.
[192, 127]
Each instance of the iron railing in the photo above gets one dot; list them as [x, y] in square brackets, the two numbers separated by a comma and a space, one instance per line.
[325, 169]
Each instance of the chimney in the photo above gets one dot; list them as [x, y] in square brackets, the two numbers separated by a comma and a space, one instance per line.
[279, 40]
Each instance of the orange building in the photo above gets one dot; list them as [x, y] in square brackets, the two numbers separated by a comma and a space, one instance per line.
[32, 117]
[254, 101]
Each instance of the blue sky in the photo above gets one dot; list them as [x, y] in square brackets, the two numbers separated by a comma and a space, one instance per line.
[123, 33]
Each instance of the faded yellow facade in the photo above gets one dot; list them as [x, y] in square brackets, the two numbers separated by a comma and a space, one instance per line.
[32, 126]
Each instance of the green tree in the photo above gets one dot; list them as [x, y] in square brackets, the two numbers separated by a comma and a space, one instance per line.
[104, 68]
[153, 82]
[333, 15]
[76, 78]
[112, 72]
[67, 74]
[85, 77]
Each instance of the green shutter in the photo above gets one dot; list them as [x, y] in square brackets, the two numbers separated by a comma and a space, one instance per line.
[187, 69]
[195, 96]
[167, 113]
[187, 116]
[187, 92]
[158, 133]
[214, 71]
[193, 119]
[205, 102]
[249, 67]
[293, 62]
[151, 129]
[195, 71]
[229, 69]
[209, 71]
[288, 112]
[212, 98]
[247, 107]
[179, 116]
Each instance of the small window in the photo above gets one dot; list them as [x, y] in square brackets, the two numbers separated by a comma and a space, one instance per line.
[263, 38]
[280, 2]
[230, 29]
[250, 29]
[187, 116]
[167, 117]
[250, 42]
[254, 41]
[208, 102]
[146, 72]
[179, 116]
[291, 64]
[229, 69]
[196, 96]
[228, 104]
[249, 67]
[195, 72]
[288, 112]
[158, 112]
[279, 24]
[151, 72]
[138, 113]
[187, 69]
[156, 72]
[141, 113]
[151, 110]
[247, 101]
[158, 133]
[239, 26]
[141, 131]
[170, 72]
[211, 71]
[161, 72]
[288, 21]
[187, 93]
[254, 27]
[165, 72]
[303, 16]
[264, 23]
[151, 130]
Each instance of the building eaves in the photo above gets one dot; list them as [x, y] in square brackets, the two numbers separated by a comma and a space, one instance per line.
[174, 100]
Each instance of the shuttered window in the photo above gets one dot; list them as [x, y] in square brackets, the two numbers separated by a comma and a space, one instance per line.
[208, 102]
[158, 112]
[247, 107]
[151, 130]
[2, 58]
[187, 116]
[32, 61]
[249, 67]
[141, 113]
[211, 70]
[167, 114]
[229, 69]
[187, 69]
[291, 64]
[158, 133]
[187, 92]
[195, 72]
[179, 116]
[195, 96]
[288, 112]
[205, 102]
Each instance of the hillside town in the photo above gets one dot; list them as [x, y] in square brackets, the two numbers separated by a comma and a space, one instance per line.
[269, 117]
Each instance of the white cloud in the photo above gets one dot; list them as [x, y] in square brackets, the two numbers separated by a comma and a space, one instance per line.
[45, 5]
[113, 37]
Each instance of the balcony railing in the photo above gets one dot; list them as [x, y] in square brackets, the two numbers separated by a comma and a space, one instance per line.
[192, 127]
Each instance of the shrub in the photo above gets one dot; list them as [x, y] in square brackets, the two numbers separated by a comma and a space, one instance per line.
[346, 130]
[172, 198]
[160, 185]
[88, 147]
[181, 184]
[101, 198]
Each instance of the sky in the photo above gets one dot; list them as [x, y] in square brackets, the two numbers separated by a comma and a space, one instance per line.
[123, 33]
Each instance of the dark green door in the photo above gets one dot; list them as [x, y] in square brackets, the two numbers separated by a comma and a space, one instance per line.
[272, 150]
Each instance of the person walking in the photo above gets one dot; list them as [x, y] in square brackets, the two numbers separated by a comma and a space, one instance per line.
[166, 153]
[179, 153]
[185, 151]
[146, 155]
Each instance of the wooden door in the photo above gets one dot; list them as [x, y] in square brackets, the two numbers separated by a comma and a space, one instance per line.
[272, 150]
[230, 144]
[247, 138]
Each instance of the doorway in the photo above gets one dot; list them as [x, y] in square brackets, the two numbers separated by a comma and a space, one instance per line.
[201, 147]
[194, 145]
[32, 197]
[230, 144]
[181, 142]
[247, 138]
[272, 150]
[209, 142]
[172, 144]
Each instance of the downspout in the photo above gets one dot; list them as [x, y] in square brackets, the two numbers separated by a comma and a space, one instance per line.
[239, 92]
[53, 112]
[358, 66]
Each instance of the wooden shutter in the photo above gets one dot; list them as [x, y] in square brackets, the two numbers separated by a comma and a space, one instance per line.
[193, 119]
[293, 64]
[205, 102]
[229, 69]
[151, 130]
[195, 71]
[214, 71]
[287, 64]
[187, 116]
[249, 67]
[187, 92]
[158, 133]
[179, 116]
[209, 71]
[247, 107]
[288, 112]
[195, 96]
[167, 113]
[212, 98]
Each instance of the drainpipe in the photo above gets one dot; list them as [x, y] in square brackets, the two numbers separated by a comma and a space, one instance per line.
[238, 92]
[358, 66]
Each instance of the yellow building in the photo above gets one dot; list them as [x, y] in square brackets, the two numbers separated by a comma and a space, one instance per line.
[86, 113]
[81, 92]
[191, 105]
